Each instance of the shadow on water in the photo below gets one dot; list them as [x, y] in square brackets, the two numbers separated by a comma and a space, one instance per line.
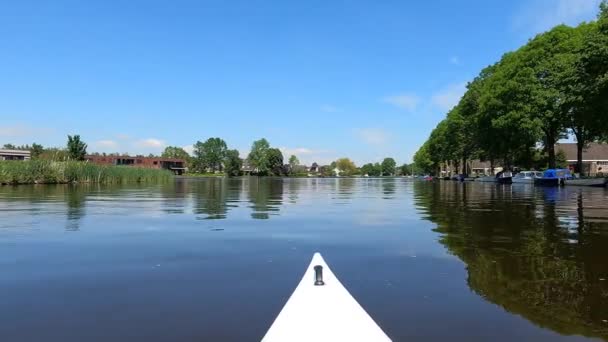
[537, 252]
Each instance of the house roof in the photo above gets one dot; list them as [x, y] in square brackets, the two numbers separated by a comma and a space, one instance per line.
[594, 152]
[7, 152]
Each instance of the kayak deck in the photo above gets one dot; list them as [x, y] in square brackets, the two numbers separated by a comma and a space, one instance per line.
[323, 312]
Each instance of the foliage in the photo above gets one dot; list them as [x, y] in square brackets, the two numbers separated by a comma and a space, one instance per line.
[372, 170]
[405, 170]
[293, 164]
[49, 172]
[388, 167]
[175, 152]
[232, 163]
[554, 84]
[275, 162]
[346, 166]
[209, 155]
[258, 156]
[76, 148]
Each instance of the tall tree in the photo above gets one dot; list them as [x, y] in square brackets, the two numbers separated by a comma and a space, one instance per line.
[388, 167]
[232, 163]
[175, 152]
[76, 148]
[258, 156]
[210, 154]
[346, 166]
[293, 164]
[275, 162]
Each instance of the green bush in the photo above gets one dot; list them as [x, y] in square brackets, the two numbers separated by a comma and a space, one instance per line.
[50, 172]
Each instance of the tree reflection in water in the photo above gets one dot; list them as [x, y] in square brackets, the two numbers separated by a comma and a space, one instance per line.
[528, 250]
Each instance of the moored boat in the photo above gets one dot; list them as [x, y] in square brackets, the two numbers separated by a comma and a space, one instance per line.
[553, 177]
[321, 309]
[527, 177]
[504, 177]
[595, 182]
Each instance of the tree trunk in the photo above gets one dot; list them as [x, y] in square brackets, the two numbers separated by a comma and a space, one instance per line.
[464, 165]
[550, 146]
[580, 145]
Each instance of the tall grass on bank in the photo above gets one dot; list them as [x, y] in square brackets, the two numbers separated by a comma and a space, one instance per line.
[53, 172]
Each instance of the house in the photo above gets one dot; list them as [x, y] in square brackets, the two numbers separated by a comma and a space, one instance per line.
[595, 157]
[177, 166]
[314, 168]
[15, 154]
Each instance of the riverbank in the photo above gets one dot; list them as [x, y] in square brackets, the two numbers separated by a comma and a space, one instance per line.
[53, 172]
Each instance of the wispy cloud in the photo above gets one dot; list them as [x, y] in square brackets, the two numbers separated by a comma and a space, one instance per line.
[455, 60]
[373, 136]
[111, 144]
[446, 98]
[150, 143]
[327, 108]
[189, 149]
[21, 131]
[537, 16]
[297, 151]
[409, 102]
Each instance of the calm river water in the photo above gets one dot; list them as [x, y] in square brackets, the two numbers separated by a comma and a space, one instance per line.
[216, 259]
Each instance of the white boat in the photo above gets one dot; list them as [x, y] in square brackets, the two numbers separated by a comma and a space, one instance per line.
[527, 177]
[596, 182]
[321, 309]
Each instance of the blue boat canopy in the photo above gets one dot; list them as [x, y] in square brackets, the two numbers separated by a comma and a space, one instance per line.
[557, 173]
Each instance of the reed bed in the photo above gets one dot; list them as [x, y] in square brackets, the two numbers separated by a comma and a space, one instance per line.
[54, 172]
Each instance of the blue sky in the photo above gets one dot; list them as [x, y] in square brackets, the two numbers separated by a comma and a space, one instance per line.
[321, 79]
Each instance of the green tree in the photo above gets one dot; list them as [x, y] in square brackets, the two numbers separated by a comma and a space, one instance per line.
[293, 164]
[275, 162]
[210, 154]
[175, 153]
[423, 161]
[232, 163]
[258, 156]
[346, 166]
[76, 148]
[36, 150]
[388, 167]
[405, 170]
[9, 147]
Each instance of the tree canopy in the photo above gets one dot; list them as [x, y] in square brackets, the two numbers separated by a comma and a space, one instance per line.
[209, 155]
[556, 84]
[76, 148]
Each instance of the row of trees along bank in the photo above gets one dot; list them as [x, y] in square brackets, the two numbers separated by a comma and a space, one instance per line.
[555, 85]
[213, 156]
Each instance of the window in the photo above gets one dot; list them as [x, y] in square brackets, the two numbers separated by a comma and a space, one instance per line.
[155, 162]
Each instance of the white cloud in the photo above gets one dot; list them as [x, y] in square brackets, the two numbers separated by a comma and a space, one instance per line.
[21, 131]
[189, 149]
[150, 143]
[106, 144]
[122, 136]
[448, 97]
[536, 16]
[408, 102]
[330, 109]
[455, 60]
[373, 136]
[297, 151]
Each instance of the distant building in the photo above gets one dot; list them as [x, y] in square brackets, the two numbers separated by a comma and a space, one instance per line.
[595, 157]
[177, 166]
[314, 168]
[15, 155]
